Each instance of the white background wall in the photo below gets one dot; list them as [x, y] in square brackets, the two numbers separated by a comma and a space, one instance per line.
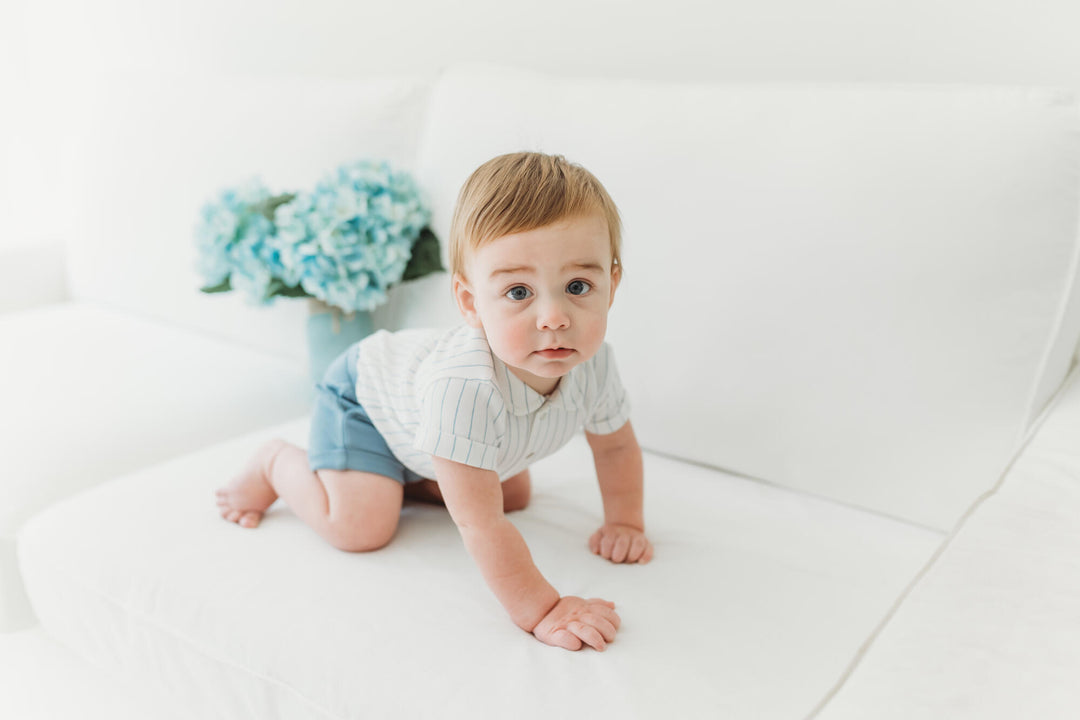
[49, 49]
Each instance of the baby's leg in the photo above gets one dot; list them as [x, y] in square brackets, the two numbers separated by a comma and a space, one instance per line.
[516, 492]
[353, 511]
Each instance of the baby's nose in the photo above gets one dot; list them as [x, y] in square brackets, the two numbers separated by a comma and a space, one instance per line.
[552, 315]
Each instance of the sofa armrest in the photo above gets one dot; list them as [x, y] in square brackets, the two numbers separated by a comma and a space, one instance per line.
[32, 274]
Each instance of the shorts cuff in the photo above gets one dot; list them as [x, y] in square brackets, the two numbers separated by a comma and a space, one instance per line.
[360, 460]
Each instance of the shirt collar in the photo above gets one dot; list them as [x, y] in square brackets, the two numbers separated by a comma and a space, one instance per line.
[521, 399]
[570, 393]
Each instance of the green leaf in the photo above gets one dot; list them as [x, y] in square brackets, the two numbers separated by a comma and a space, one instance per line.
[223, 286]
[278, 288]
[268, 206]
[426, 257]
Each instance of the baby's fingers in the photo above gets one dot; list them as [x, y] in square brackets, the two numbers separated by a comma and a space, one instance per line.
[588, 634]
[594, 542]
[637, 549]
[607, 544]
[606, 610]
[565, 639]
[599, 601]
[606, 627]
[621, 548]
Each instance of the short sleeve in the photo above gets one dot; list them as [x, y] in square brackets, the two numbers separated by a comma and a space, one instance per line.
[458, 421]
[610, 409]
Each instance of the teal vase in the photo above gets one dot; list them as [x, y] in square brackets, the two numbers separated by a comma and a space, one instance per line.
[330, 332]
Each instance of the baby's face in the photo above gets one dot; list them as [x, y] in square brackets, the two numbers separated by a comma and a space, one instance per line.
[542, 297]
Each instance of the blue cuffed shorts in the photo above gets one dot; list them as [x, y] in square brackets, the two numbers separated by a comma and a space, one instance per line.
[342, 436]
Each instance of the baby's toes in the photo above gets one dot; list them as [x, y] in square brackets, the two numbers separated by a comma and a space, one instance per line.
[233, 515]
[250, 519]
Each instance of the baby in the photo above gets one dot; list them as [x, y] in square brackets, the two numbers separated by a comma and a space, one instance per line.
[457, 417]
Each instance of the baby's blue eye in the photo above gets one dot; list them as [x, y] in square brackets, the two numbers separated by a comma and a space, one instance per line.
[518, 292]
[578, 287]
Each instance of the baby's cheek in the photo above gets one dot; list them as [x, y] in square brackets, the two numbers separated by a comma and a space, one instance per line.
[594, 329]
[520, 336]
[510, 337]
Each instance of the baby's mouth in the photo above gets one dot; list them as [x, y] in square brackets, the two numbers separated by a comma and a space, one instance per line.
[555, 353]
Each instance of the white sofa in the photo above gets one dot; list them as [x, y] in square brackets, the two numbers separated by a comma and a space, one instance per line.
[848, 325]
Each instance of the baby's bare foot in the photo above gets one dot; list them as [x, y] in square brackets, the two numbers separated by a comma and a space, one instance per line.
[246, 498]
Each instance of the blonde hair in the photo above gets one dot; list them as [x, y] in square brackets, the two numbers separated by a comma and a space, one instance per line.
[522, 191]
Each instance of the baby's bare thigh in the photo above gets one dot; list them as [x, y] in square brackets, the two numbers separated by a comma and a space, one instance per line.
[424, 491]
[362, 508]
[516, 492]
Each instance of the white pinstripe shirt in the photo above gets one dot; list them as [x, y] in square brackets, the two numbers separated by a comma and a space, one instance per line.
[433, 392]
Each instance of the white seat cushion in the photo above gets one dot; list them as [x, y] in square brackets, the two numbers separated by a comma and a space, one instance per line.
[89, 394]
[993, 628]
[753, 588]
[42, 680]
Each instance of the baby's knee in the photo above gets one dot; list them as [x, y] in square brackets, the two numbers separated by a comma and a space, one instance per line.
[352, 537]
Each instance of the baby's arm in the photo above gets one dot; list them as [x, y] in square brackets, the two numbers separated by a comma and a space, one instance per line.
[474, 499]
[619, 469]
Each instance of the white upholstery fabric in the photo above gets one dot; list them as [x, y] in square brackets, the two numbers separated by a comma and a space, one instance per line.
[89, 394]
[753, 588]
[156, 148]
[993, 629]
[32, 275]
[865, 292]
[42, 680]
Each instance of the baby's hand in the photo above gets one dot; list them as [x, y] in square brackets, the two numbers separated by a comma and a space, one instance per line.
[575, 622]
[621, 544]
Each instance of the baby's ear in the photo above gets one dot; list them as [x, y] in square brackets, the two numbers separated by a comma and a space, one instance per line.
[616, 277]
[466, 301]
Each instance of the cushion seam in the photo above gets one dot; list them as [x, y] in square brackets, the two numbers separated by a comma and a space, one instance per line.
[900, 600]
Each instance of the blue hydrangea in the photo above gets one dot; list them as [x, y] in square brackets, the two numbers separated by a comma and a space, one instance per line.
[350, 239]
[233, 239]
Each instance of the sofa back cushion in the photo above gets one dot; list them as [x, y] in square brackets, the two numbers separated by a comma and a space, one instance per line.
[155, 148]
[863, 292]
